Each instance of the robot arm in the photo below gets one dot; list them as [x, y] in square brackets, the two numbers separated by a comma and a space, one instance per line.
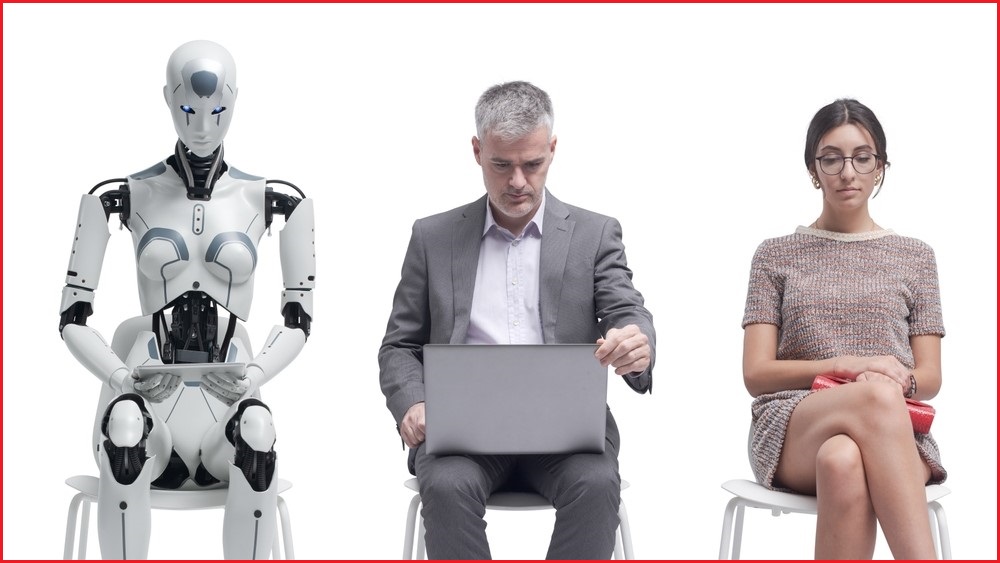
[85, 261]
[82, 277]
[298, 255]
[298, 267]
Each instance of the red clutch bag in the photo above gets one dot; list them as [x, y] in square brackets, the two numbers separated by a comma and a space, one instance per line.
[921, 414]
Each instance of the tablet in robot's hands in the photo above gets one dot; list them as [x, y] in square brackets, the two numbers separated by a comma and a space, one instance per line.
[192, 374]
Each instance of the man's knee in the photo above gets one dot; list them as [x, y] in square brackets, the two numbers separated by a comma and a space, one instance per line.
[452, 481]
[600, 483]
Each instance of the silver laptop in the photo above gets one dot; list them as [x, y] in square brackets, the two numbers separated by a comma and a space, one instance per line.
[514, 399]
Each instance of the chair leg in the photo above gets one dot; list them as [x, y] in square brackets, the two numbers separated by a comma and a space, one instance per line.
[71, 515]
[411, 524]
[276, 544]
[421, 546]
[286, 529]
[942, 537]
[84, 529]
[624, 534]
[738, 532]
[727, 528]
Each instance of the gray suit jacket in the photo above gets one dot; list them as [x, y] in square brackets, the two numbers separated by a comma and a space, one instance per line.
[586, 289]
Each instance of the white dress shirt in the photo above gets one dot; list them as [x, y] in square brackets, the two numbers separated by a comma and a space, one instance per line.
[505, 299]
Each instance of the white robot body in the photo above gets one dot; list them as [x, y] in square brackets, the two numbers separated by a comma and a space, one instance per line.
[126, 425]
[90, 349]
[89, 243]
[186, 245]
[257, 428]
[250, 521]
[123, 514]
[282, 346]
[196, 223]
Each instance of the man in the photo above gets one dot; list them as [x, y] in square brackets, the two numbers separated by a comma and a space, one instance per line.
[557, 274]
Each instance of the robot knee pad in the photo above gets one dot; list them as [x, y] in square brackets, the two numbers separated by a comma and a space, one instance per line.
[126, 424]
[251, 431]
[256, 428]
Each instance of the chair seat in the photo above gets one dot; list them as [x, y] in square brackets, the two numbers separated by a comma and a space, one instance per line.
[751, 494]
[170, 499]
[164, 499]
[506, 500]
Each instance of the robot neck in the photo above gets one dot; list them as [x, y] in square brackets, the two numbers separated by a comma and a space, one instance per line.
[198, 172]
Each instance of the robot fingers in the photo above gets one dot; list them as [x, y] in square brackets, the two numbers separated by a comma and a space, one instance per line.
[225, 388]
[157, 387]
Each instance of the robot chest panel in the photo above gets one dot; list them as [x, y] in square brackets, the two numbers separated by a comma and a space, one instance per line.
[187, 245]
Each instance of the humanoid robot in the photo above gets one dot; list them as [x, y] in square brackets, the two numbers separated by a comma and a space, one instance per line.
[190, 416]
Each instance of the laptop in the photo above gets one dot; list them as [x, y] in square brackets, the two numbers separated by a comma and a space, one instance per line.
[514, 398]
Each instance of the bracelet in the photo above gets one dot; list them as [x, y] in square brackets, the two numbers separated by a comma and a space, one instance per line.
[913, 387]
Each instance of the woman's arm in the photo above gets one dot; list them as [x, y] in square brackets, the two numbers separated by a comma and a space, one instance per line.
[927, 360]
[764, 373]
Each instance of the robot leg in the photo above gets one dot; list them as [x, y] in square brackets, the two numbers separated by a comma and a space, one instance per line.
[251, 503]
[123, 506]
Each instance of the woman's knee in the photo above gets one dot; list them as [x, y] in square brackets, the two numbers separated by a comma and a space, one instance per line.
[883, 407]
[840, 467]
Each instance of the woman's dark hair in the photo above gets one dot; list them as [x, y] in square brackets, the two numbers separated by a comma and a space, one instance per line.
[842, 112]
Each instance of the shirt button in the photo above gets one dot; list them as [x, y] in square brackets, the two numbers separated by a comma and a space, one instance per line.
[513, 282]
[516, 242]
[516, 323]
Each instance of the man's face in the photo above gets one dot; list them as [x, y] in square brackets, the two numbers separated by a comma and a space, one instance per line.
[514, 172]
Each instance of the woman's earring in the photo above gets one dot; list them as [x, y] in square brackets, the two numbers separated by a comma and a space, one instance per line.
[878, 178]
[815, 182]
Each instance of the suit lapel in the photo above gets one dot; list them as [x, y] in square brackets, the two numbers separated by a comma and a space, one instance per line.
[466, 239]
[558, 230]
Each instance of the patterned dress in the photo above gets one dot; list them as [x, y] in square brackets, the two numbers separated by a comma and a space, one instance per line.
[835, 294]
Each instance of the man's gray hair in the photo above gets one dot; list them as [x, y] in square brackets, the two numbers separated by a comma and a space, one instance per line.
[512, 110]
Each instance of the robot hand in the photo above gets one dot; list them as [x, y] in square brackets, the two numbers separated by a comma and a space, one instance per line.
[155, 388]
[229, 388]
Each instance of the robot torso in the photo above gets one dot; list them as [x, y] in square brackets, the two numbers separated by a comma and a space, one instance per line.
[185, 245]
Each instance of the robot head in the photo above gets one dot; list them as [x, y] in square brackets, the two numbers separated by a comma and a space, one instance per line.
[201, 92]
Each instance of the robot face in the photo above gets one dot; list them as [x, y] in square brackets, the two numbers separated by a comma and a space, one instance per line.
[200, 93]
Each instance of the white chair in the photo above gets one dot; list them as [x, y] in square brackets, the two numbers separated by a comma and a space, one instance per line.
[749, 493]
[504, 501]
[164, 499]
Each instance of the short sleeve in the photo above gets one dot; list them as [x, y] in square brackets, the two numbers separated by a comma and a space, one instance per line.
[765, 290]
[925, 309]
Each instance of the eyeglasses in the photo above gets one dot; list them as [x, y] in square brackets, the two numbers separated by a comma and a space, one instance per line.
[833, 164]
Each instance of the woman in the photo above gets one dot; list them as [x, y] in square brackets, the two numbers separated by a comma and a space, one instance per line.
[846, 296]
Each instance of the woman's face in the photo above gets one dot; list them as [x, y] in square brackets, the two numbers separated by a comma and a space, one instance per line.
[849, 148]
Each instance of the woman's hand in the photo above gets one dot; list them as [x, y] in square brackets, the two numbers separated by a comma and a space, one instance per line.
[874, 368]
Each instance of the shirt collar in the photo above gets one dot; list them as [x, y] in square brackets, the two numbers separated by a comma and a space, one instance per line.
[536, 220]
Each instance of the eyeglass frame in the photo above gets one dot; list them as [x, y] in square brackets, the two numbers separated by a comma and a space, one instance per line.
[843, 163]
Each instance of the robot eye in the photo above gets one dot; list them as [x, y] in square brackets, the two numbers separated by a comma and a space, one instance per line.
[218, 110]
[187, 109]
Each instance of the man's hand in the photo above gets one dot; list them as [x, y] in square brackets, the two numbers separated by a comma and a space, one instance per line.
[626, 349]
[413, 428]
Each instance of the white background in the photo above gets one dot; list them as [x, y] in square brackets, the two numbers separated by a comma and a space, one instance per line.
[685, 122]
